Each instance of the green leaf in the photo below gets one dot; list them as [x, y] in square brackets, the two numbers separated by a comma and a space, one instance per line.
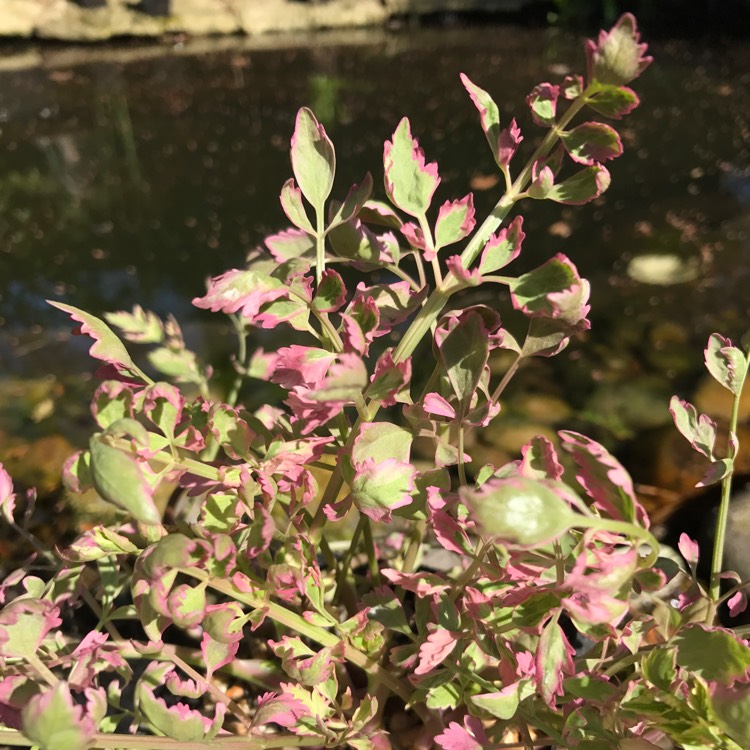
[313, 159]
[379, 488]
[582, 187]
[294, 208]
[380, 441]
[592, 142]
[658, 667]
[409, 181]
[106, 347]
[355, 199]
[732, 708]
[520, 511]
[118, 477]
[489, 114]
[726, 363]
[52, 721]
[714, 655]
[502, 705]
[613, 101]
[698, 429]
[463, 345]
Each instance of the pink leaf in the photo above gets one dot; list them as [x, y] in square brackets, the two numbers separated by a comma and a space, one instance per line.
[467, 278]
[454, 222]
[507, 143]
[435, 650]
[470, 736]
[434, 403]
[689, 549]
[7, 496]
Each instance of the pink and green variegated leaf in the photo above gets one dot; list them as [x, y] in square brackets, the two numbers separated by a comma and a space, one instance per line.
[355, 241]
[313, 158]
[184, 688]
[389, 382]
[283, 710]
[604, 478]
[187, 605]
[331, 292]
[254, 291]
[378, 488]
[381, 441]
[716, 471]
[592, 142]
[508, 142]
[489, 114]
[454, 222]
[554, 290]
[726, 363]
[54, 721]
[106, 347]
[163, 404]
[520, 511]
[572, 86]
[355, 199]
[714, 654]
[217, 654]
[502, 704]
[140, 326]
[554, 657]
[698, 429]
[386, 608]
[410, 182]
[24, 624]
[542, 183]
[303, 664]
[617, 57]
[294, 208]
[112, 401]
[582, 187]
[380, 214]
[435, 650]
[394, 302]
[613, 101]
[97, 543]
[7, 496]
[465, 278]
[462, 341]
[731, 706]
[120, 479]
[543, 103]
[231, 431]
[470, 736]
[539, 460]
[346, 380]
[290, 244]
[547, 337]
[77, 472]
[177, 721]
[301, 365]
[502, 247]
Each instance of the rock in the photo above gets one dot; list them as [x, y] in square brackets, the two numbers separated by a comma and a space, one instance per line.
[284, 15]
[20, 17]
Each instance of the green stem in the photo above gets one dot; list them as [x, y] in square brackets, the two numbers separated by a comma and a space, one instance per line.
[320, 243]
[717, 558]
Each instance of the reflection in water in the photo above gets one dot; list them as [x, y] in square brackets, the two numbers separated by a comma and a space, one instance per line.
[131, 183]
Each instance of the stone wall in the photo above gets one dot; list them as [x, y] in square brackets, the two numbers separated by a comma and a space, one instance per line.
[95, 20]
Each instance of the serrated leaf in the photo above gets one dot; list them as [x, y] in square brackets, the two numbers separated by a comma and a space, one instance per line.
[106, 347]
[613, 101]
[331, 292]
[355, 199]
[582, 187]
[543, 103]
[381, 441]
[489, 114]
[463, 346]
[24, 623]
[381, 487]
[554, 654]
[698, 429]
[617, 57]
[52, 721]
[503, 247]
[313, 158]
[714, 654]
[410, 182]
[454, 222]
[520, 511]
[726, 363]
[592, 142]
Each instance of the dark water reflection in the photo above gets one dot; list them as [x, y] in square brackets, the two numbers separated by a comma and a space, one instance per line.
[124, 183]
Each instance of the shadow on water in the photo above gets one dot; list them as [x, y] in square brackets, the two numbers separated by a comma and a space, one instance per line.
[130, 175]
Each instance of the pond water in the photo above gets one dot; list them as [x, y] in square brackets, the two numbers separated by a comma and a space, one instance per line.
[130, 174]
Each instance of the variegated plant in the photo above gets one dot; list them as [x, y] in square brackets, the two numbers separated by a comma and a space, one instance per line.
[315, 583]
